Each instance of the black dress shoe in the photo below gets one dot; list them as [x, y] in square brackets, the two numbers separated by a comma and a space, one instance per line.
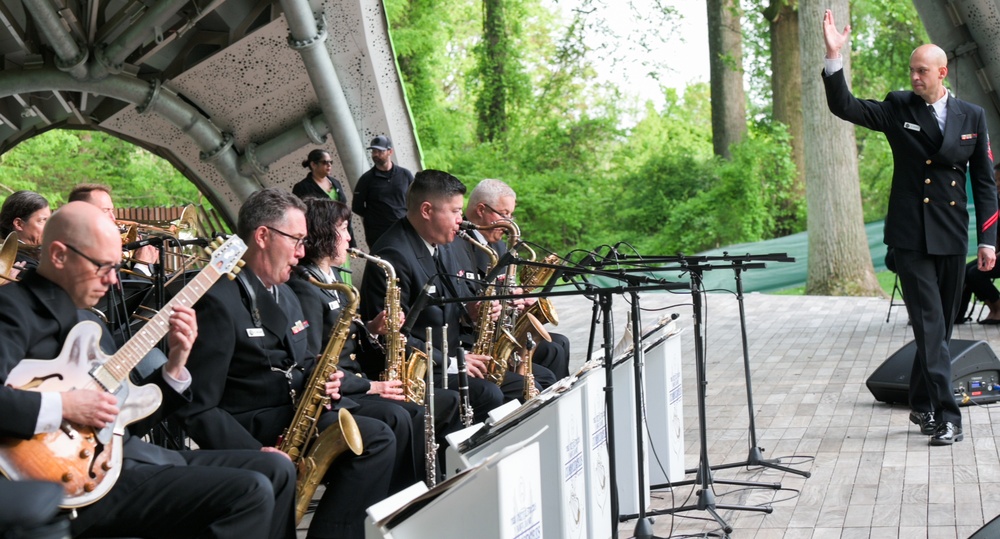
[947, 434]
[928, 425]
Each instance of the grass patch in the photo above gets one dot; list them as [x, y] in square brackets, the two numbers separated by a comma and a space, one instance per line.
[885, 279]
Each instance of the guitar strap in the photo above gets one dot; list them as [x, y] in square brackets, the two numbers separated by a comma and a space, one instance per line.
[249, 297]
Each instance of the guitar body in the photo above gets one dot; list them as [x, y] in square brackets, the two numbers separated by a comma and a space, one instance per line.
[86, 461]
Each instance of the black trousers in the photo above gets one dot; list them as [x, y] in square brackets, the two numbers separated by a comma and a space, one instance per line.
[354, 482]
[932, 287]
[223, 494]
[554, 356]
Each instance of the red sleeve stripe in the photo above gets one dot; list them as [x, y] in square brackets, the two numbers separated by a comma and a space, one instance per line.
[990, 222]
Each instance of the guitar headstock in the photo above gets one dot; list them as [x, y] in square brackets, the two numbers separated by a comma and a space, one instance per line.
[226, 257]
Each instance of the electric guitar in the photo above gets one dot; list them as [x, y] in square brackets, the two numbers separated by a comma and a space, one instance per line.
[85, 460]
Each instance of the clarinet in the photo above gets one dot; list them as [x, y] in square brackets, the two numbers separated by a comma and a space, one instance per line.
[430, 444]
[463, 389]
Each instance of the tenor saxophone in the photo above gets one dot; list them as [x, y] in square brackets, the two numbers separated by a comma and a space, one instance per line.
[410, 371]
[313, 453]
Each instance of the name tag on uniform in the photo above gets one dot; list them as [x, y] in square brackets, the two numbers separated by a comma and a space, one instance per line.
[911, 127]
[255, 332]
[334, 304]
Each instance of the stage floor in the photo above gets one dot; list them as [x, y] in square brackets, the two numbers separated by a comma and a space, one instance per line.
[873, 473]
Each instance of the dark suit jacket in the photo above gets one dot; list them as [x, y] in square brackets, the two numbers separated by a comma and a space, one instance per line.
[402, 247]
[322, 308]
[240, 398]
[927, 206]
[36, 316]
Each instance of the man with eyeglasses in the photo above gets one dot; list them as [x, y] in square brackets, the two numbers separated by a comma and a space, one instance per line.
[380, 196]
[491, 201]
[182, 493]
[253, 361]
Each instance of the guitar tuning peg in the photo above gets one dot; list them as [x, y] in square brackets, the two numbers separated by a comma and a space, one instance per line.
[232, 273]
[240, 263]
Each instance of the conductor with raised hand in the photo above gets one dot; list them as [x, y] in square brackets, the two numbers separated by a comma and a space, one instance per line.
[936, 140]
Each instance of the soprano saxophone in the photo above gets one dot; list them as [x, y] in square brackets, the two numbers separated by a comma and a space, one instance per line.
[411, 372]
[313, 453]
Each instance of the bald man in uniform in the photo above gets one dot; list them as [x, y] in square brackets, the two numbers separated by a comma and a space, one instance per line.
[936, 139]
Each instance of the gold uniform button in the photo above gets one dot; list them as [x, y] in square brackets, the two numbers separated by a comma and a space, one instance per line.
[926, 200]
[952, 202]
[953, 184]
[927, 181]
[928, 161]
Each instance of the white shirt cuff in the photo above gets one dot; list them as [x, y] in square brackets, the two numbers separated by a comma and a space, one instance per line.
[181, 385]
[833, 65]
[988, 246]
[49, 413]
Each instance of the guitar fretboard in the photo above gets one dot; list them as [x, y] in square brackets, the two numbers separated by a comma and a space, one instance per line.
[132, 352]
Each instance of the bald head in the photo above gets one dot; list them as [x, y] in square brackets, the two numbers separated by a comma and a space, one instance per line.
[932, 54]
[78, 239]
[928, 69]
[79, 224]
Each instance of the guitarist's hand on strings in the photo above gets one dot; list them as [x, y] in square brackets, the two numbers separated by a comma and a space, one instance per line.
[183, 332]
[89, 407]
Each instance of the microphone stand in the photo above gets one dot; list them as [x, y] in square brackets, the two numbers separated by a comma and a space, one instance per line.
[756, 454]
[706, 496]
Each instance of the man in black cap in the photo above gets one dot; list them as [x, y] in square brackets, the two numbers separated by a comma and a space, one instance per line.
[380, 196]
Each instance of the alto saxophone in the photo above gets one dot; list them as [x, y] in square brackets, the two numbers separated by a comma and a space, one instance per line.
[312, 453]
[411, 372]
[487, 328]
[531, 278]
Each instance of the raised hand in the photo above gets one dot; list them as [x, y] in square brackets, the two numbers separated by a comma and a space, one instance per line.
[835, 40]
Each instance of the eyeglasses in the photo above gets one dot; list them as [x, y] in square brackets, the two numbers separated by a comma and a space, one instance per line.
[502, 215]
[324, 162]
[102, 269]
[299, 242]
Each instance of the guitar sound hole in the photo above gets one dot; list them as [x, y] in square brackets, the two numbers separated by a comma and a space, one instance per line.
[98, 449]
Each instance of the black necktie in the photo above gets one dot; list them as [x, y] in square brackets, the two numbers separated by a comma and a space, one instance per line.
[444, 276]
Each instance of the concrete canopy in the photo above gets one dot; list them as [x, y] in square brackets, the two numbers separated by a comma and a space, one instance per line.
[234, 93]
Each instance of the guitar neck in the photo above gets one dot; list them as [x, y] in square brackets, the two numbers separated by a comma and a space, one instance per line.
[132, 352]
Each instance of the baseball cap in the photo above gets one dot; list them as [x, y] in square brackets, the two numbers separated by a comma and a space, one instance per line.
[381, 142]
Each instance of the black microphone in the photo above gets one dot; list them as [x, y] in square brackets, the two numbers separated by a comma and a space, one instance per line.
[587, 262]
[201, 242]
[418, 307]
[133, 245]
[508, 258]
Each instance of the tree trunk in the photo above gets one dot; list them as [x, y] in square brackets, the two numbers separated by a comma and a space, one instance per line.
[725, 50]
[839, 263]
[491, 104]
[786, 80]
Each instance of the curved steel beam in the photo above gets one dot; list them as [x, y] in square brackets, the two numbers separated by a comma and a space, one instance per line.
[71, 56]
[216, 147]
[110, 57]
[307, 36]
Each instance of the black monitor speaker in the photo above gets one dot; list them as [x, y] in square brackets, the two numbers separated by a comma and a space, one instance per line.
[975, 372]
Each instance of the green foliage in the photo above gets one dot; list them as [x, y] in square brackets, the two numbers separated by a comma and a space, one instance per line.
[55, 161]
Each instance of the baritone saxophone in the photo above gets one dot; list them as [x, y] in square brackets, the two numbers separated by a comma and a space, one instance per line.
[397, 367]
[313, 453]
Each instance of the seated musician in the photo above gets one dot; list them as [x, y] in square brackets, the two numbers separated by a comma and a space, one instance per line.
[326, 250]
[490, 201]
[419, 248]
[253, 360]
[99, 195]
[160, 492]
[24, 212]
